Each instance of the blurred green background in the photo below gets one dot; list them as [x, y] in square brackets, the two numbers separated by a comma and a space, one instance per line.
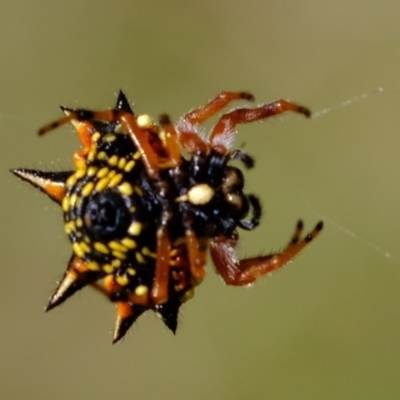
[327, 326]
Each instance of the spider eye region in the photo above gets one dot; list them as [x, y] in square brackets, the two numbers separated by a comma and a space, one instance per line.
[106, 216]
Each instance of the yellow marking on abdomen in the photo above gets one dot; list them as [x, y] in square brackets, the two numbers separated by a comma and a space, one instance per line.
[101, 184]
[87, 189]
[135, 228]
[125, 188]
[115, 180]
[129, 166]
[101, 248]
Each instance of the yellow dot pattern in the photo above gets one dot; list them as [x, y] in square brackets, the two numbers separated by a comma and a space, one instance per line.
[101, 172]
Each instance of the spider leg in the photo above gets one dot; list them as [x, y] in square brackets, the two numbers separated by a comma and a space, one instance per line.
[238, 154]
[81, 120]
[84, 128]
[138, 137]
[55, 124]
[197, 257]
[201, 114]
[243, 272]
[172, 140]
[159, 291]
[223, 132]
[189, 139]
[196, 251]
[192, 142]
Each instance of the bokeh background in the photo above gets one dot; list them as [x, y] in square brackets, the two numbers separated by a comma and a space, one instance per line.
[327, 326]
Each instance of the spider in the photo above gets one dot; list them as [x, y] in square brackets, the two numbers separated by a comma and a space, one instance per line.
[146, 201]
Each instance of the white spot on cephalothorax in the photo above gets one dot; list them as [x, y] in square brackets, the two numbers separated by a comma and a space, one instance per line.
[198, 194]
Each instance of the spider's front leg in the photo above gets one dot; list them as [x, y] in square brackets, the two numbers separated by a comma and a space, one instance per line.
[82, 120]
[223, 132]
[243, 272]
[189, 139]
[201, 114]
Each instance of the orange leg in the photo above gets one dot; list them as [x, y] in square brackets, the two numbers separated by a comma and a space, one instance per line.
[138, 137]
[192, 142]
[85, 130]
[54, 125]
[243, 272]
[201, 114]
[159, 291]
[197, 256]
[172, 140]
[81, 120]
[189, 139]
[223, 132]
[196, 250]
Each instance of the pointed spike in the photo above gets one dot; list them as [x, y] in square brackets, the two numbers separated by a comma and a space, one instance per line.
[122, 103]
[169, 313]
[127, 314]
[50, 183]
[63, 290]
[75, 278]
[66, 110]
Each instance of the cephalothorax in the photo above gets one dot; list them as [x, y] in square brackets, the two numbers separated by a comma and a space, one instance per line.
[141, 215]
